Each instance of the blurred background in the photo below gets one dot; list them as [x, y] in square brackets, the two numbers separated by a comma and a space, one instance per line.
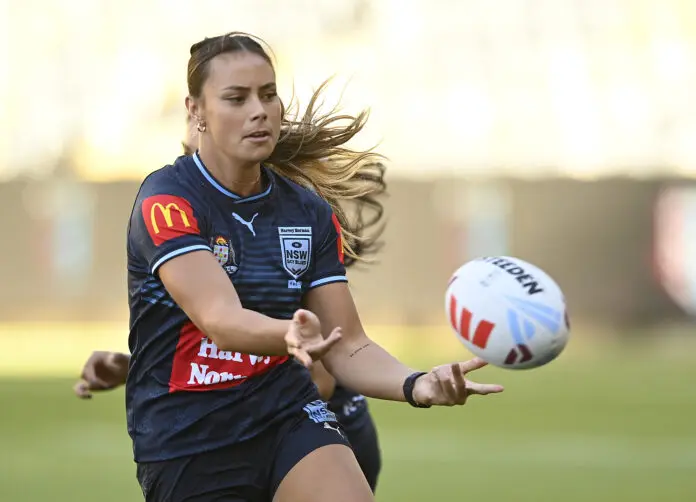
[562, 132]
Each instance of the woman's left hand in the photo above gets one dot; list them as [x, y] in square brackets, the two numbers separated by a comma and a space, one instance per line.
[446, 386]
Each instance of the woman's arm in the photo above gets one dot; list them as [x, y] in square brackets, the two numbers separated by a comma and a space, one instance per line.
[202, 289]
[363, 366]
[205, 293]
[356, 361]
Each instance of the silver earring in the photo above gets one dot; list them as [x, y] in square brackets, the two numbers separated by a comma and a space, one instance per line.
[200, 126]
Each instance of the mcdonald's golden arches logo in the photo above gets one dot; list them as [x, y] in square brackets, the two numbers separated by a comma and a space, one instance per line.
[168, 217]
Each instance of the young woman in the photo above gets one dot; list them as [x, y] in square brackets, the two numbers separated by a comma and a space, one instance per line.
[108, 370]
[236, 265]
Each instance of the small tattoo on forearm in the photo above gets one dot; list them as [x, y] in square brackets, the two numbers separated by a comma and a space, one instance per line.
[359, 349]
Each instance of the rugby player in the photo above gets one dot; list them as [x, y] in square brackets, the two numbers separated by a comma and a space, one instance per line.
[236, 270]
[108, 370]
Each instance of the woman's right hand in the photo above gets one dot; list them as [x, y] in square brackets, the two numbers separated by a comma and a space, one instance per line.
[304, 339]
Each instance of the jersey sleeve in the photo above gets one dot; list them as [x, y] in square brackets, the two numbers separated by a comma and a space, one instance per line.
[328, 257]
[165, 223]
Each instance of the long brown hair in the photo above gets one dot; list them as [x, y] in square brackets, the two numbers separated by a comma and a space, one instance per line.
[311, 152]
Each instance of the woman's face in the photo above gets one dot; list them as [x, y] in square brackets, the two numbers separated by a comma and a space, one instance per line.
[240, 107]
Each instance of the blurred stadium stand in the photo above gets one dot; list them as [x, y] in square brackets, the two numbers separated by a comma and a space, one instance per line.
[545, 129]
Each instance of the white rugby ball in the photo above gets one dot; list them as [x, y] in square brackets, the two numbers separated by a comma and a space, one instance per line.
[508, 312]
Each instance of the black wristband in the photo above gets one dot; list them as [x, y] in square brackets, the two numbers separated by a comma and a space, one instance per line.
[409, 383]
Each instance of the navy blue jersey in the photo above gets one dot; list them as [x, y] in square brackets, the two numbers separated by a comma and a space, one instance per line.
[183, 394]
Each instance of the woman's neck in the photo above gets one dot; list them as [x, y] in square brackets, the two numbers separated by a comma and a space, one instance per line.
[243, 179]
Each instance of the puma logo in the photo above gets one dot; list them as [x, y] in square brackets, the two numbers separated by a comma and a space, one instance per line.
[249, 224]
[338, 431]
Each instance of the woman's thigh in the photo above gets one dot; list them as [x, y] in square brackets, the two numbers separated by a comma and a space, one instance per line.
[330, 472]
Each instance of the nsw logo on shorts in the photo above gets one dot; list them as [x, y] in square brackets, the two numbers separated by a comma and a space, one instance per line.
[318, 412]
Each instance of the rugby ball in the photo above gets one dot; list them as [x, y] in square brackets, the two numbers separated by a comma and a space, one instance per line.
[508, 312]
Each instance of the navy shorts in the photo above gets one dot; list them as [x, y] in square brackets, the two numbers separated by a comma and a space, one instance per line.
[250, 471]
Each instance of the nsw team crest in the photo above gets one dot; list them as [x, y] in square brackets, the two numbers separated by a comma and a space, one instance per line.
[224, 254]
[296, 249]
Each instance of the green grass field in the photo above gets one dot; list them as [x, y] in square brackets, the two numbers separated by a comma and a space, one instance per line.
[602, 427]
